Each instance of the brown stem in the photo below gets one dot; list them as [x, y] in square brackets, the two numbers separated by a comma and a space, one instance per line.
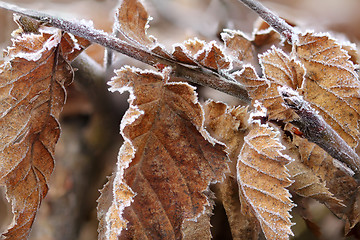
[193, 74]
[316, 130]
[271, 18]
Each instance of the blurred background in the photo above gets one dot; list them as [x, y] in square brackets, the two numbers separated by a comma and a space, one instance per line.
[88, 147]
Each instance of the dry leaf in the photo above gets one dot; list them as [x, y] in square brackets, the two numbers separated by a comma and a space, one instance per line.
[228, 125]
[174, 161]
[263, 180]
[132, 22]
[33, 80]
[186, 51]
[279, 70]
[343, 187]
[199, 229]
[238, 46]
[331, 84]
[309, 170]
[115, 196]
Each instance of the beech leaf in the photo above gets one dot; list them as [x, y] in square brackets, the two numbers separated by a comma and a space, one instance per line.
[229, 125]
[32, 85]
[132, 21]
[263, 180]
[331, 83]
[344, 192]
[175, 159]
[279, 70]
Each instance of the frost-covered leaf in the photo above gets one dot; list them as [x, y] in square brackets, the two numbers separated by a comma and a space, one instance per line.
[279, 70]
[309, 171]
[197, 52]
[175, 159]
[199, 229]
[342, 187]
[238, 46]
[132, 21]
[308, 184]
[263, 180]
[186, 51]
[228, 125]
[331, 83]
[115, 196]
[32, 86]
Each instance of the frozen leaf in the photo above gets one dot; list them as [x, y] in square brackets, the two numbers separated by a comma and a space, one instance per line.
[212, 56]
[32, 86]
[331, 83]
[238, 46]
[199, 229]
[185, 52]
[309, 171]
[263, 180]
[279, 70]
[343, 188]
[308, 184]
[196, 52]
[115, 196]
[132, 21]
[228, 125]
[175, 159]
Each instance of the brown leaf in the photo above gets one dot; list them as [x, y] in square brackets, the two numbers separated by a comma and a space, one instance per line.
[132, 22]
[174, 161]
[33, 80]
[133, 19]
[115, 196]
[342, 187]
[213, 56]
[309, 171]
[197, 52]
[263, 181]
[238, 46]
[199, 229]
[228, 125]
[186, 51]
[278, 70]
[331, 83]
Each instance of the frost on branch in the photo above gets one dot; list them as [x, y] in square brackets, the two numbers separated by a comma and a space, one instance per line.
[33, 78]
[175, 159]
[263, 180]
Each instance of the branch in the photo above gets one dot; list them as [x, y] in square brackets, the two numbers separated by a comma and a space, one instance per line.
[198, 75]
[316, 130]
[272, 19]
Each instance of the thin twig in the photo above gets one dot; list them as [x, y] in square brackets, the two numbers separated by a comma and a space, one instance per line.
[316, 130]
[197, 75]
[271, 18]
